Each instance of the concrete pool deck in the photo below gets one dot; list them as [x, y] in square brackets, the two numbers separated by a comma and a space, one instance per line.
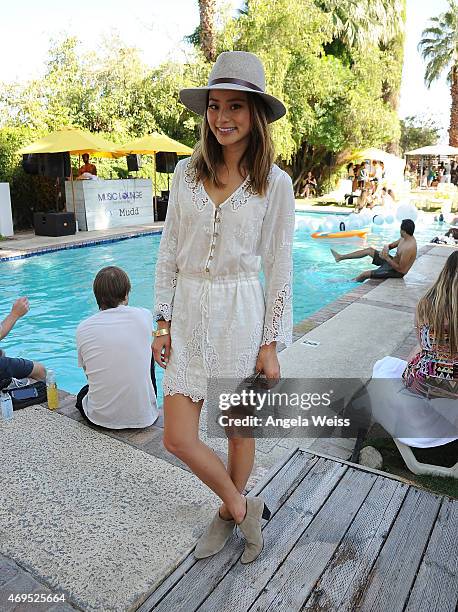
[60, 534]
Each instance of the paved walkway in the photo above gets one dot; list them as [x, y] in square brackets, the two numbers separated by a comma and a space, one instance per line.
[27, 243]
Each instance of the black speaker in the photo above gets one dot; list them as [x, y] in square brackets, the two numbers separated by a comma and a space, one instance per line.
[134, 162]
[54, 224]
[30, 163]
[161, 208]
[166, 162]
[55, 164]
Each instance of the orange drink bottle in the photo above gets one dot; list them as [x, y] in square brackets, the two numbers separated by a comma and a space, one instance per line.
[51, 390]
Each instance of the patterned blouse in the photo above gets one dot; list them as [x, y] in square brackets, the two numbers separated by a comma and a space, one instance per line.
[433, 372]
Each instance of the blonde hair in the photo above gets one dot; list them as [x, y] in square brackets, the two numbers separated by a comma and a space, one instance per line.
[256, 161]
[438, 308]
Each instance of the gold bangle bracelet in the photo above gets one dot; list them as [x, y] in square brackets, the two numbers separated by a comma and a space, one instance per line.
[161, 332]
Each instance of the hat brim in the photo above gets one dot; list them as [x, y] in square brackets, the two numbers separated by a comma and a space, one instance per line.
[195, 99]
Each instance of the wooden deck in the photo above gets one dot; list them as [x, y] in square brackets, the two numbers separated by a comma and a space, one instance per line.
[341, 538]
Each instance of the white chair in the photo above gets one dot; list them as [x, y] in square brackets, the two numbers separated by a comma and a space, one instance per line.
[416, 467]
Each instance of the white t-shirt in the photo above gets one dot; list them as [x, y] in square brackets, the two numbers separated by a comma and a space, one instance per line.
[114, 347]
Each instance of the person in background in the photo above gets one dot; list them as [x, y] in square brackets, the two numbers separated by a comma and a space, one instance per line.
[310, 185]
[363, 175]
[87, 168]
[390, 192]
[350, 171]
[450, 237]
[417, 400]
[432, 371]
[447, 176]
[389, 267]
[362, 201]
[356, 170]
[431, 176]
[114, 350]
[386, 199]
[13, 367]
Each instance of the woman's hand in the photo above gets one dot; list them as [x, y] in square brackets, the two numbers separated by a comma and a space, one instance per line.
[161, 346]
[267, 362]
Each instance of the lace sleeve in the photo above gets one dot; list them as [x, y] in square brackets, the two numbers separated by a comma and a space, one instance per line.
[166, 268]
[276, 251]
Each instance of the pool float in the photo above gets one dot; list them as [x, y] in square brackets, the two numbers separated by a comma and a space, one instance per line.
[347, 234]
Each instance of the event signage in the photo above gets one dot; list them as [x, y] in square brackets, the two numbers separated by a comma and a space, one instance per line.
[104, 204]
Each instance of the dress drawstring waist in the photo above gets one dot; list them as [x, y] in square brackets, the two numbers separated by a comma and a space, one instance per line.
[219, 279]
[207, 281]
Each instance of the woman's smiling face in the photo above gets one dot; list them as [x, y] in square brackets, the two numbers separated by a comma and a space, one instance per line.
[228, 115]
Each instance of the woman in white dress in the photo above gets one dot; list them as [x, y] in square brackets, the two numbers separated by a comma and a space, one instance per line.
[230, 212]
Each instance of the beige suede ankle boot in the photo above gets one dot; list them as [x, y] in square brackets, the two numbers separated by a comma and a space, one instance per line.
[256, 510]
[214, 537]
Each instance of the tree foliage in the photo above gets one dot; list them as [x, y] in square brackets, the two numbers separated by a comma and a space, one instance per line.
[336, 100]
[335, 64]
[439, 44]
[439, 47]
[418, 131]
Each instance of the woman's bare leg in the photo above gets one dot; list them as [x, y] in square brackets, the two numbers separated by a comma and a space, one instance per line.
[354, 255]
[181, 438]
[240, 461]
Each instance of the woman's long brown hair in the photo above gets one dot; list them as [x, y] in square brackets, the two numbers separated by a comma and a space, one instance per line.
[256, 161]
[438, 308]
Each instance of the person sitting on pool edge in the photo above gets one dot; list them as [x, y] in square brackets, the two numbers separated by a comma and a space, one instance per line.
[13, 367]
[114, 349]
[389, 267]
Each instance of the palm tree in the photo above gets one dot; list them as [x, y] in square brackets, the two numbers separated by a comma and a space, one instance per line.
[362, 22]
[439, 47]
[207, 11]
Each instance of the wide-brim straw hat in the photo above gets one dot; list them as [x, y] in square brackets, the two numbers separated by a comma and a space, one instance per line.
[238, 71]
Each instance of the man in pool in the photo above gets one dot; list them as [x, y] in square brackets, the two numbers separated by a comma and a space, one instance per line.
[389, 267]
[114, 349]
[11, 367]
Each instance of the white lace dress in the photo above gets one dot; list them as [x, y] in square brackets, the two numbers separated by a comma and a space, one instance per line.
[207, 278]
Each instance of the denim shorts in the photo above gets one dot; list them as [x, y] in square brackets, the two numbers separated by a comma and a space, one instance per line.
[15, 367]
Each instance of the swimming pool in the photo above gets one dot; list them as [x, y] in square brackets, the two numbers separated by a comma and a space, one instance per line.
[59, 287]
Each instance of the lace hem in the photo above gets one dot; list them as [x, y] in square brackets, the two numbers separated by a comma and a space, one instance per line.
[270, 335]
[163, 311]
[168, 389]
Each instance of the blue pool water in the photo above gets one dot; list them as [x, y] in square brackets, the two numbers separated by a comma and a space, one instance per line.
[59, 287]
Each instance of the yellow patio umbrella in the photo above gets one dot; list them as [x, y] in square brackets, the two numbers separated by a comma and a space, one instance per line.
[74, 141]
[152, 144]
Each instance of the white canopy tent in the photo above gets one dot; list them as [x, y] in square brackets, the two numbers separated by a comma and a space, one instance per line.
[439, 150]
[432, 152]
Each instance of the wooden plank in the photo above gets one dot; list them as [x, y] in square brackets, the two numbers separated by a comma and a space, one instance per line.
[337, 448]
[436, 585]
[391, 579]
[193, 580]
[294, 580]
[340, 585]
[243, 584]
[364, 468]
